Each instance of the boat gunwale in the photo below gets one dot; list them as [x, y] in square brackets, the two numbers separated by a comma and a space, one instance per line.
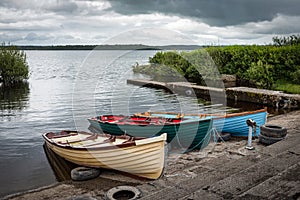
[188, 121]
[217, 116]
[118, 146]
[244, 113]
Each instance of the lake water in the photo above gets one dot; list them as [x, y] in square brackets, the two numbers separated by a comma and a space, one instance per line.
[64, 89]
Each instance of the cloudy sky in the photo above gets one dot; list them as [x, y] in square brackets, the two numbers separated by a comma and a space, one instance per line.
[154, 22]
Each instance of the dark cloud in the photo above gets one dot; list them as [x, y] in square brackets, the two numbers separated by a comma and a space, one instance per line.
[59, 6]
[212, 12]
[90, 21]
[7, 4]
[63, 7]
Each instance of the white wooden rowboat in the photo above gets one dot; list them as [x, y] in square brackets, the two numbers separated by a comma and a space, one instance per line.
[143, 157]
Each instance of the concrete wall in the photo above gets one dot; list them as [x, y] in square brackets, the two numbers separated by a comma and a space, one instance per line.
[246, 94]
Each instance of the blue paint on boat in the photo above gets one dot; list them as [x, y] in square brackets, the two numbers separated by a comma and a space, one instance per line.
[237, 126]
[234, 123]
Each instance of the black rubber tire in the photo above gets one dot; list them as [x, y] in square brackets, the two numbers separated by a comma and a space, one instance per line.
[223, 137]
[273, 131]
[268, 140]
[84, 173]
[130, 192]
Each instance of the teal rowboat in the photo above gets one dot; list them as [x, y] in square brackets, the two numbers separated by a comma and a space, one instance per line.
[188, 133]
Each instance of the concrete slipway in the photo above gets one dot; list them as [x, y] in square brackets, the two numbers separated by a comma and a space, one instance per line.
[225, 170]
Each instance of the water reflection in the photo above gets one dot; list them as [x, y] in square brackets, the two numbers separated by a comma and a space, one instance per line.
[247, 106]
[13, 98]
[61, 167]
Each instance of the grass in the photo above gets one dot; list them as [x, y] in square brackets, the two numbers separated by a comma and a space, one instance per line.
[287, 87]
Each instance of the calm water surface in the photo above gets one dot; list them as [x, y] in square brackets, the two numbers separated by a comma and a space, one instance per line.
[65, 88]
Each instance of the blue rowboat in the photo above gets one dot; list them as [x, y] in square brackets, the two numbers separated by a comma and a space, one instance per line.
[233, 123]
[188, 133]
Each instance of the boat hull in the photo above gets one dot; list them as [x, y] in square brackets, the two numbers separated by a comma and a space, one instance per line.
[144, 159]
[234, 123]
[189, 134]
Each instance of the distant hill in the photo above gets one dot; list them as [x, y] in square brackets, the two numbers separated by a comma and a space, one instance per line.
[111, 47]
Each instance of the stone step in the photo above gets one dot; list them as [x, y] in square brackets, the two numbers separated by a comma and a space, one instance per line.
[240, 182]
[204, 179]
[233, 179]
[286, 144]
[285, 185]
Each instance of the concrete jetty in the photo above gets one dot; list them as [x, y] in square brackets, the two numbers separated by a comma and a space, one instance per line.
[223, 170]
[253, 95]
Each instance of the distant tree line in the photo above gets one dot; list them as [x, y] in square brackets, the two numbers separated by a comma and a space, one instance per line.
[109, 47]
[58, 47]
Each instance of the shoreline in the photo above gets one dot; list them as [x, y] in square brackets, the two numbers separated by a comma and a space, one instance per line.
[223, 170]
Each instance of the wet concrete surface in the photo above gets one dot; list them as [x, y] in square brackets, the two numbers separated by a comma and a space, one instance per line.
[224, 170]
